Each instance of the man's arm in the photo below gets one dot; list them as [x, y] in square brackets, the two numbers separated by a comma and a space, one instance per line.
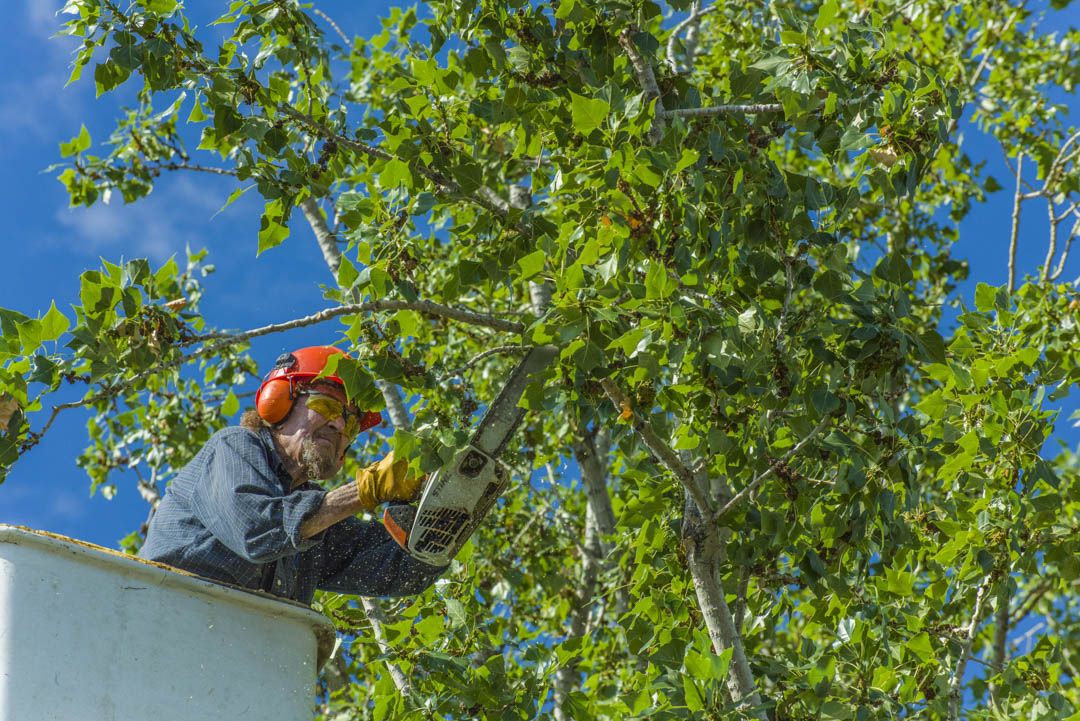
[360, 557]
[337, 505]
[383, 481]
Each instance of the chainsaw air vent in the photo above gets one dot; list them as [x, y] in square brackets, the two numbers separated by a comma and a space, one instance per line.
[436, 530]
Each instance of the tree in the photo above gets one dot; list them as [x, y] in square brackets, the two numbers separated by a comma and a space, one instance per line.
[789, 472]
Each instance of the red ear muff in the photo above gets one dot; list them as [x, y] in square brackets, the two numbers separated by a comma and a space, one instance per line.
[274, 400]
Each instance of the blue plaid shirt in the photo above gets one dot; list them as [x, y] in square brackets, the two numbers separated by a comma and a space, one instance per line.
[230, 515]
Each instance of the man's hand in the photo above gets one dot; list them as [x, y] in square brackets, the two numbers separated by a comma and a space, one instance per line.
[385, 481]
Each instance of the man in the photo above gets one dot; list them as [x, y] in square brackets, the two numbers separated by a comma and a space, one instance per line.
[246, 510]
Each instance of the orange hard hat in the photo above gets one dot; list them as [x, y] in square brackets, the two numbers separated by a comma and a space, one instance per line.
[275, 396]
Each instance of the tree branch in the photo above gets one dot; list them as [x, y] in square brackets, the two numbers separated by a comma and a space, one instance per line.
[696, 13]
[498, 350]
[1028, 604]
[323, 235]
[1001, 631]
[647, 79]
[659, 448]
[712, 110]
[702, 550]
[1051, 246]
[1013, 241]
[377, 618]
[424, 307]
[761, 477]
[334, 25]
[955, 690]
[1068, 247]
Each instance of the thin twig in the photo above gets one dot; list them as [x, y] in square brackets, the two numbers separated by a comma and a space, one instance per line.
[197, 168]
[1065, 251]
[1028, 604]
[484, 197]
[487, 354]
[761, 477]
[668, 457]
[1013, 241]
[1061, 159]
[337, 28]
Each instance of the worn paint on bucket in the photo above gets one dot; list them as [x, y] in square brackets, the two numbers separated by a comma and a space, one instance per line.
[89, 634]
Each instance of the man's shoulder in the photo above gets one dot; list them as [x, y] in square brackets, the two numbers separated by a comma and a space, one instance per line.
[238, 432]
[240, 439]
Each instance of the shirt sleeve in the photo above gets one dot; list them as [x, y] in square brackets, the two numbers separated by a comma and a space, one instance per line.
[241, 500]
[360, 557]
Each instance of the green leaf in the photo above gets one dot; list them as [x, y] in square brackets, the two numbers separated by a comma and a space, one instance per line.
[198, 113]
[689, 157]
[395, 173]
[532, 264]
[347, 273]
[359, 385]
[920, 646]
[54, 324]
[77, 144]
[272, 231]
[108, 75]
[658, 284]
[455, 613]
[824, 402]
[29, 336]
[161, 7]
[231, 404]
[835, 710]
[694, 700]
[588, 113]
[984, 297]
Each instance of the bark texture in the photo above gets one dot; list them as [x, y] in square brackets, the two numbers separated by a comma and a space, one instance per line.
[702, 554]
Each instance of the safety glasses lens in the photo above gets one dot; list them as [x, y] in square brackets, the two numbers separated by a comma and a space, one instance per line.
[331, 409]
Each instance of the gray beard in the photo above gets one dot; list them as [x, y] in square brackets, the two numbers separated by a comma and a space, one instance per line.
[317, 462]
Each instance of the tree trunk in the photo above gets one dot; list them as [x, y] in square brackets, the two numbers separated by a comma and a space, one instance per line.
[324, 236]
[1001, 634]
[398, 416]
[599, 525]
[702, 551]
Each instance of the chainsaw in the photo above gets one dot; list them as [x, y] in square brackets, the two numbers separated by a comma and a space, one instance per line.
[458, 496]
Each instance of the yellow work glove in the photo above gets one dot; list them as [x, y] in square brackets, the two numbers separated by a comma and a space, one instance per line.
[387, 480]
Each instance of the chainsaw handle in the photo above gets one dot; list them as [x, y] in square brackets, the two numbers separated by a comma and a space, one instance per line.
[398, 520]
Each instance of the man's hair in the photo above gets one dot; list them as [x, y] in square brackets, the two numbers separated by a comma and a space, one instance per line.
[252, 421]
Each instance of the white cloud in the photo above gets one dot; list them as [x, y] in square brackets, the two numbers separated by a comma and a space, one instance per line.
[41, 16]
[154, 227]
[67, 506]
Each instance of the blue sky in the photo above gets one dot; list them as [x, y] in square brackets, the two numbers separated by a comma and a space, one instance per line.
[47, 245]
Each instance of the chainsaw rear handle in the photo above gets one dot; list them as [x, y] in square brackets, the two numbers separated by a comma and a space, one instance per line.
[398, 520]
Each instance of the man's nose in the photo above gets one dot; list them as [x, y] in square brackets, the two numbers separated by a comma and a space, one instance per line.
[337, 424]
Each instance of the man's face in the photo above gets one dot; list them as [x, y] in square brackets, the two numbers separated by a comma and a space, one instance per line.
[320, 429]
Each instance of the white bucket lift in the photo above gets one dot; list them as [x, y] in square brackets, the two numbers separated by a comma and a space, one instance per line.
[89, 634]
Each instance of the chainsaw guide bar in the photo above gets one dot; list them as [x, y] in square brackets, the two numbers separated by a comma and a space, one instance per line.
[458, 496]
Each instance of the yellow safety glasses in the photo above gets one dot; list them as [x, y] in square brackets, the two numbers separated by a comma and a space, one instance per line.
[331, 409]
